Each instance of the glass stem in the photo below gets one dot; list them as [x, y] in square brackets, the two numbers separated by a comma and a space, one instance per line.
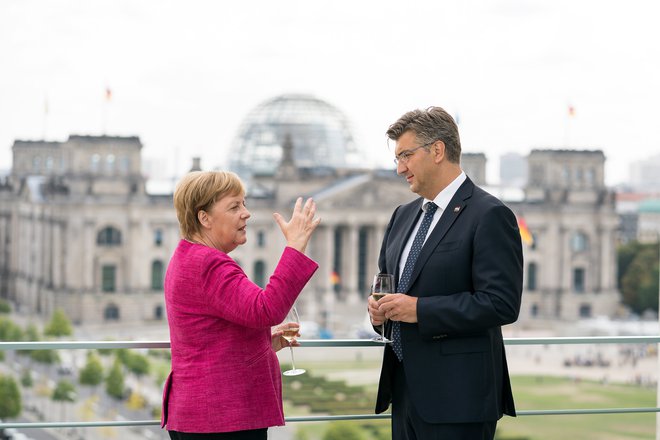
[293, 365]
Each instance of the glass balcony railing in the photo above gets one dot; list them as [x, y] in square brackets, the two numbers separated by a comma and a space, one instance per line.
[591, 358]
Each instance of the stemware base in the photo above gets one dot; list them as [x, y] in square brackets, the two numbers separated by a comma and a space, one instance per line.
[294, 372]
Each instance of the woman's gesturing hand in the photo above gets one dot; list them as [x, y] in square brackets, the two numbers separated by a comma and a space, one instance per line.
[298, 230]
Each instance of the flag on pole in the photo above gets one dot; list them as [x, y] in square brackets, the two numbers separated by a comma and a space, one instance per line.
[334, 278]
[525, 234]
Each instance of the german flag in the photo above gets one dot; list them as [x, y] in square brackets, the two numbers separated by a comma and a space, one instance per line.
[525, 234]
[334, 278]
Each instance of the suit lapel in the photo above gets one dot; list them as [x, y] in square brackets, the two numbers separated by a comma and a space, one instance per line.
[456, 206]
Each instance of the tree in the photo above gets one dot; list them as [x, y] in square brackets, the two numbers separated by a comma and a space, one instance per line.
[59, 325]
[45, 356]
[31, 334]
[26, 378]
[114, 382]
[343, 431]
[64, 391]
[5, 308]
[92, 372]
[10, 398]
[9, 331]
[638, 276]
[136, 363]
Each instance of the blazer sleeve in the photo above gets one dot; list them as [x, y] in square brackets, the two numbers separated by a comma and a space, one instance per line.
[231, 295]
[497, 271]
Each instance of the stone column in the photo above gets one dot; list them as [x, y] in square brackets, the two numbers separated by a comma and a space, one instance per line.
[328, 301]
[352, 249]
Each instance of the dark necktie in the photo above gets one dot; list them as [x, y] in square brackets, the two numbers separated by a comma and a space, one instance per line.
[404, 281]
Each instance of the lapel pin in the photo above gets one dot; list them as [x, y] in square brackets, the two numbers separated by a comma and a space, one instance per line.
[457, 208]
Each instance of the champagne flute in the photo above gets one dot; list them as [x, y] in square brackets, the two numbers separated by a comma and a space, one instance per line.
[290, 335]
[383, 284]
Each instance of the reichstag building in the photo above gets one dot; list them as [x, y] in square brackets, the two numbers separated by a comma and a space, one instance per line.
[80, 232]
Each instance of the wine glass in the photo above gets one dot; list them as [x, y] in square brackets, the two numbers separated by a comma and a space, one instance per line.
[383, 284]
[290, 334]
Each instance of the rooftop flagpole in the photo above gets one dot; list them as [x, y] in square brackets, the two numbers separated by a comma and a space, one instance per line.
[108, 98]
[567, 129]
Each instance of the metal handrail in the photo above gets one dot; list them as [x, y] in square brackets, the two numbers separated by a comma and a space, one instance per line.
[59, 345]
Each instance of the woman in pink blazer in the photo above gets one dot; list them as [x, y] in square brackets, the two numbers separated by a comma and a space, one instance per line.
[225, 381]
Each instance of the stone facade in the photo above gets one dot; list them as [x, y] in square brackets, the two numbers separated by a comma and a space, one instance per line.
[570, 270]
[79, 231]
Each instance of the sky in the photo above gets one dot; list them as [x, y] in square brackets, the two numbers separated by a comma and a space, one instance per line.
[184, 74]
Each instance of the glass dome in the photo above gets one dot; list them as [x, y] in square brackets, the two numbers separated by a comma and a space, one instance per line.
[320, 134]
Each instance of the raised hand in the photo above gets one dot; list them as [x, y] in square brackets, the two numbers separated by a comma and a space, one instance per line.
[298, 230]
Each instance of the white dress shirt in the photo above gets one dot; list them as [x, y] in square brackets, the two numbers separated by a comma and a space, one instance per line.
[442, 200]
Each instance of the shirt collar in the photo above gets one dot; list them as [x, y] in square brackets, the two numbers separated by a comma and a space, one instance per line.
[444, 197]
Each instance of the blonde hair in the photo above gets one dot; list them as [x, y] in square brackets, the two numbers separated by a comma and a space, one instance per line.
[198, 191]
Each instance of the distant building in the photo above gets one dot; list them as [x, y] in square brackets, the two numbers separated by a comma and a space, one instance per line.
[645, 174]
[79, 231]
[513, 170]
[570, 269]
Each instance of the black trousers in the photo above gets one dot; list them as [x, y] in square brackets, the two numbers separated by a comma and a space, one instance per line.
[408, 425]
[252, 434]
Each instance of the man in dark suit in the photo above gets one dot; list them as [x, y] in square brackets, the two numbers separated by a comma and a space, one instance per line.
[456, 256]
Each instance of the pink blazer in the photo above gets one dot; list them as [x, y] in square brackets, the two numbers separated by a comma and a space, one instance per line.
[225, 375]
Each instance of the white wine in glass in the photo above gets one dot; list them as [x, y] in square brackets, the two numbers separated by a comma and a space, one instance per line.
[290, 335]
[383, 285]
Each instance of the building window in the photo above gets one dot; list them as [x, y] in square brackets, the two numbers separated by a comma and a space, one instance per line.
[578, 279]
[111, 313]
[108, 278]
[94, 162]
[261, 239]
[589, 176]
[260, 273]
[109, 236]
[158, 237]
[158, 312]
[585, 311]
[157, 275]
[579, 242]
[531, 276]
[110, 163]
[534, 310]
[124, 164]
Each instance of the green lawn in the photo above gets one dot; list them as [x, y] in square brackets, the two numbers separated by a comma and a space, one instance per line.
[534, 393]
